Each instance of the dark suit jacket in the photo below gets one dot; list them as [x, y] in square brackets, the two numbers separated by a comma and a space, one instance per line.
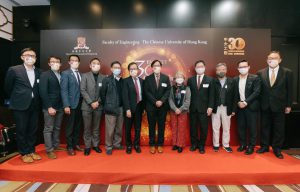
[70, 89]
[154, 94]
[252, 91]
[129, 94]
[202, 98]
[230, 95]
[279, 96]
[18, 87]
[50, 90]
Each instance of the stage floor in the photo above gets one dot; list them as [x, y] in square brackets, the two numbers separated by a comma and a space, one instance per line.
[168, 168]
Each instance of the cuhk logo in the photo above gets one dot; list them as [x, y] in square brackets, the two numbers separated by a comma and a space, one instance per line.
[234, 46]
[81, 43]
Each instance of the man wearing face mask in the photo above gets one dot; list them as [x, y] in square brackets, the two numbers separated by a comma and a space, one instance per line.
[21, 86]
[157, 91]
[52, 106]
[247, 90]
[111, 97]
[70, 92]
[90, 87]
[224, 107]
[133, 107]
[276, 102]
[202, 103]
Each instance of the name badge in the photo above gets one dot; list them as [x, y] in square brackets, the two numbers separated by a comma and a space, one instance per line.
[205, 85]
[100, 84]
[37, 81]
[225, 86]
[164, 85]
[183, 91]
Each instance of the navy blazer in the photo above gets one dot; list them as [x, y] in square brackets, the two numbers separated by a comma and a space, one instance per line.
[70, 89]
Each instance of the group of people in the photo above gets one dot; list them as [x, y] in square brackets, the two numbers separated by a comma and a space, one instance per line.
[86, 97]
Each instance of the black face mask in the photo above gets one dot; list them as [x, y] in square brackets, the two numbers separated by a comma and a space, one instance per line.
[221, 74]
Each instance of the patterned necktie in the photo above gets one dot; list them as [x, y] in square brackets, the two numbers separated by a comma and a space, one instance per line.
[78, 77]
[137, 90]
[272, 81]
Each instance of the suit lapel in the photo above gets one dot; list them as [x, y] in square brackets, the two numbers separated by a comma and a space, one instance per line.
[54, 76]
[25, 76]
[266, 77]
[279, 76]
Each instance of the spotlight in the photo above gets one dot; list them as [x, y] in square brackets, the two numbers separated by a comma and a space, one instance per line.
[96, 8]
[138, 7]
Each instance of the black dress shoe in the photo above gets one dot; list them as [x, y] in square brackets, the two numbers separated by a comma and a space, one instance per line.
[137, 149]
[278, 154]
[201, 150]
[175, 147]
[128, 150]
[193, 148]
[249, 151]
[87, 151]
[262, 150]
[97, 149]
[180, 149]
[241, 148]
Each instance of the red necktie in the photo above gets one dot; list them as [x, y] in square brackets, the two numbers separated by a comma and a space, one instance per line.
[137, 90]
[198, 82]
[157, 81]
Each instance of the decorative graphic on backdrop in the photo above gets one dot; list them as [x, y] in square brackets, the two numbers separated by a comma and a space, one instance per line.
[234, 46]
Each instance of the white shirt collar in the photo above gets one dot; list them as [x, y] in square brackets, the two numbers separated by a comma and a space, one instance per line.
[275, 69]
[28, 69]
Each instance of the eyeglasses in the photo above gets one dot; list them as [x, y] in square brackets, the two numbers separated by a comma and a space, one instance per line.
[27, 55]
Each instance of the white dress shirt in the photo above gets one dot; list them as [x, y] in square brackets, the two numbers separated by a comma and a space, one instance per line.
[31, 76]
[242, 88]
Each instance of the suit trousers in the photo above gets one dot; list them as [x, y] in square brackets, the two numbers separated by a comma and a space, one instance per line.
[247, 123]
[91, 131]
[158, 116]
[221, 118]
[113, 130]
[197, 118]
[73, 127]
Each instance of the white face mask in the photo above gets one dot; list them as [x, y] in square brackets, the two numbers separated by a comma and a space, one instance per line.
[116, 72]
[200, 70]
[55, 66]
[243, 70]
[273, 63]
[133, 73]
[179, 80]
[157, 70]
[74, 65]
[29, 60]
[96, 68]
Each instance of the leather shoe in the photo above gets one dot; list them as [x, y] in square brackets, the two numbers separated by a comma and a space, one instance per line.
[109, 152]
[137, 149]
[35, 156]
[87, 151]
[175, 147]
[278, 154]
[97, 149]
[152, 150]
[249, 151]
[27, 158]
[128, 150]
[78, 148]
[51, 155]
[193, 148]
[241, 148]
[180, 149]
[262, 150]
[201, 150]
[160, 149]
[71, 152]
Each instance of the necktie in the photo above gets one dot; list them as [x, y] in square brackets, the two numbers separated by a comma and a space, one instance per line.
[272, 78]
[137, 90]
[78, 77]
[157, 81]
[198, 81]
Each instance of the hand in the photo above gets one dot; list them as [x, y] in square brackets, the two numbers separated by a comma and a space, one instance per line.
[242, 104]
[209, 111]
[158, 103]
[232, 114]
[177, 111]
[51, 111]
[95, 105]
[128, 113]
[287, 110]
[67, 110]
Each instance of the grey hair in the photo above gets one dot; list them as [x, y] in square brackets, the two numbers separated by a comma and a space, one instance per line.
[221, 64]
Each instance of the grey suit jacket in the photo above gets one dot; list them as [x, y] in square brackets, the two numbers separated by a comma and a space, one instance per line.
[186, 100]
[90, 90]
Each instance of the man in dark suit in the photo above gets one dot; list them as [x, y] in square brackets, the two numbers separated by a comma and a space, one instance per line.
[224, 107]
[133, 106]
[202, 103]
[70, 92]
[276, 101]
[21, 85]
[52, 106]
[157, 91]
[247, 89]
[91, 107]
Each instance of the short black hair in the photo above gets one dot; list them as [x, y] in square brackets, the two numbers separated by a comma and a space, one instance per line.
[156, 60]
[54, 58]
[130, 64]
[199, 61]
[94, 59]
[115, 62]
[74, 56]
[27, 49]
[241, 61]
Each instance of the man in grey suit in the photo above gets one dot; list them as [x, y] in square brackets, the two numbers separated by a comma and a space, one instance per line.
[91, 84]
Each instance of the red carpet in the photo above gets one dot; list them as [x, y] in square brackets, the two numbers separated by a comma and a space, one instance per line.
[167, 168]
